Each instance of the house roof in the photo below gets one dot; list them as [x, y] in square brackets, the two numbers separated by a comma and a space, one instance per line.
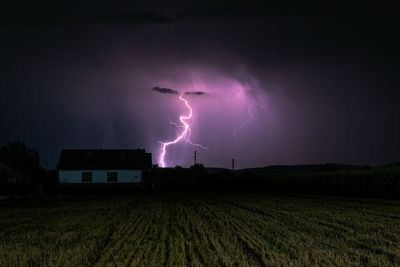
[104, 159]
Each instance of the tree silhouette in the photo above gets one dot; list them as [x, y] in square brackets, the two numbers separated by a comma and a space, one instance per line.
[23, 163]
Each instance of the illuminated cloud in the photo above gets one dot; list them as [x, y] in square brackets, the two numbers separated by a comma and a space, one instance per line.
[195, 93]
[164, 90]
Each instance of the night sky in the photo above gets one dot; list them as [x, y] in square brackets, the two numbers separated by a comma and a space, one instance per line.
[285, 82]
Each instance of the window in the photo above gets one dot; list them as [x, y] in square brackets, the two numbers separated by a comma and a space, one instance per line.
[87, 177]
[112, 177]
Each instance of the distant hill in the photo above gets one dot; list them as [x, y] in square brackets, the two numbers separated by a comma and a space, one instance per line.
[394, 164]
[213, 170]
[288, 169]
[292, 169]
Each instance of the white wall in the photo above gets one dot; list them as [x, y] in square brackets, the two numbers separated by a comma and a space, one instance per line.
[100, 176]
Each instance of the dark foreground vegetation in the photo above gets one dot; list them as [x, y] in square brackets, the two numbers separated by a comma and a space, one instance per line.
[383, 182]
[21, 174]
[278, 215]
[210, 229]
[327, 179]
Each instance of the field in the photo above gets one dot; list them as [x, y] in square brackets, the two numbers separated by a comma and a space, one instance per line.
[199, 229]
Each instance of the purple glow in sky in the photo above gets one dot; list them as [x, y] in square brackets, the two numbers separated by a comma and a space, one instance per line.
[250, 119]
[225, 108]
[290, 88]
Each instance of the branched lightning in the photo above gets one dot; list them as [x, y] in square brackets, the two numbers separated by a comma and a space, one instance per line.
[184, 135]
[251, 117]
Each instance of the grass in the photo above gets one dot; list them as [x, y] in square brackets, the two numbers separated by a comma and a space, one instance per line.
[199, 229]
[4, 197]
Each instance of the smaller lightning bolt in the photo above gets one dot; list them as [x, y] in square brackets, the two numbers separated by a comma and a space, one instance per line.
[251, 117]
[184, 135]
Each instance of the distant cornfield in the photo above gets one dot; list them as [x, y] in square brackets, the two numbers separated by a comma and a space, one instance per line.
[198, 229]
[379, 182]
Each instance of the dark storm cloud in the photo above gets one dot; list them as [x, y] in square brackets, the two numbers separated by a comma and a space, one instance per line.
[352, 10]
[164, 90]
[46, 14]
[17, 15]
[195, 93]
[212, 12]
[136, 17]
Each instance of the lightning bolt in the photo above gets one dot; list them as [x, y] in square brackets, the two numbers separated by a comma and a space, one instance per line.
[184, 135]
[251, 117]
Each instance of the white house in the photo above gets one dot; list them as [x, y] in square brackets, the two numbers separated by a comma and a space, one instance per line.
[103, 166]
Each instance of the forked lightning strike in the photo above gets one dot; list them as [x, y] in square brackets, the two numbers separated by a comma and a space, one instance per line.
[250, 119]
[184, 135]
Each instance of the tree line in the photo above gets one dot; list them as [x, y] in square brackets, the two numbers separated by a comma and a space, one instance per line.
[21, 173]
[20, 170]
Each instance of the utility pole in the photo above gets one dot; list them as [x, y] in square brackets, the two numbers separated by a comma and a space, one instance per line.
[233, 164]
[195, 157]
